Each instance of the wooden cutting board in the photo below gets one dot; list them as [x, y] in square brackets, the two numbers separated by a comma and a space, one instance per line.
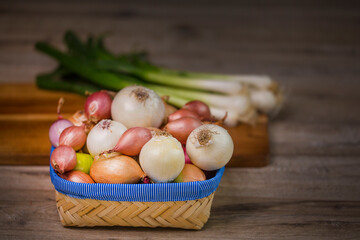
[26, 114]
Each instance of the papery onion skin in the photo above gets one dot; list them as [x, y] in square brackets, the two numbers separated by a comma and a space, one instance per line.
[117, 169]
[137, 106]
[190, 173]
[63, 159]
[98, 106]
[79, 118]
[77, 176]
[162, 158]
[132, 140]
[104, 136]
[74, 137]
[56, 129]
[200, 108]
[182, 127]
[209, 147]
[182, 113]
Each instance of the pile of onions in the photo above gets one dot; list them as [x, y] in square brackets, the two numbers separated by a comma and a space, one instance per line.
[104, 136]
[162, 158]
[137, 106]
[209, 147]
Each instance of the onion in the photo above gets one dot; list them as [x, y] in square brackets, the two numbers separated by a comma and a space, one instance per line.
[98, 106]
[200, 108]
[56, 129]
[63, 159]
[83, 162]
[209, 147]
[169, 109]
[190, 173]
[182, 127]
[187, 159]
[74, 137]
[79, 118]
[137, 106]
[132, 140]
[104, 136]
[182, 113]
[162, 158]
[77, 176]
[116, 169]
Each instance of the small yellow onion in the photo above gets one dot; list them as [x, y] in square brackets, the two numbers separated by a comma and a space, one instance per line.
[190, 173]
[116, 169]
[162, 158]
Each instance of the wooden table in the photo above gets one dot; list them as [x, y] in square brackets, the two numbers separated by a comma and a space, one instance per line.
[311, 188]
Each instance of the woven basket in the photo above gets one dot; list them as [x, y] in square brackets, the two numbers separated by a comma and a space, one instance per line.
[178, 205]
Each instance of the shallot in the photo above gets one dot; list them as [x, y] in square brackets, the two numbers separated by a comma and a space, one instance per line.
[98, 106]
[182, 113]
[137, 106]
[132, 140]
[116, 169]
[63, 159]
[77, 176]
[104, 136]
[182, 127]
[79, 118]
[56, 129]
[209, 147]
[74, 137]
[162, 158]
[200, 108]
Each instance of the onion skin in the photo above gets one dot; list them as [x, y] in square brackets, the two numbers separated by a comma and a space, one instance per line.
[63, 159]
[79, 118]
[182, 127]
[190, 173]
[169, 109]
[74, 137]
[56, 129]
[132, 140]
[77, 176]
[98, 106]
[182, 113]
[200, 108]
[118, 169]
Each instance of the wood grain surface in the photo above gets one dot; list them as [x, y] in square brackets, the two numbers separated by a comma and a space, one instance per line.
[310, 190]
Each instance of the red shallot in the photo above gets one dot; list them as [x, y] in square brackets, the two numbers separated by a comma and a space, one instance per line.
[98, 106]
[63, 159]
[74, 137]
[77, 176]
[132, 140]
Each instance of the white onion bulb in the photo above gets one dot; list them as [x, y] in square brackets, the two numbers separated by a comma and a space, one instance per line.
[209, 147]
[162, 158]
[137, 106]
[104, 136]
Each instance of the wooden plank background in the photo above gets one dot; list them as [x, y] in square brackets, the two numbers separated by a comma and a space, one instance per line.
[309, 191]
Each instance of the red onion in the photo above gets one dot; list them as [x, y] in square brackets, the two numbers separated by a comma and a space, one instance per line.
[116, 169]
[200, 108]
[132, 140]
[63, 159]
[187, 159]
[181, 128]
[98, 106]
[77, 176]
[182, 113]
[56, 129]
[74, 137]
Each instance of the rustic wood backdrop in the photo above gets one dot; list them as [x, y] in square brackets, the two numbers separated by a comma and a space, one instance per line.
[311, 188]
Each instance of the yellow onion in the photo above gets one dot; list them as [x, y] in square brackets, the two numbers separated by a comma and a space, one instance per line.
[77, 176]
[190, 173]
[116, 169]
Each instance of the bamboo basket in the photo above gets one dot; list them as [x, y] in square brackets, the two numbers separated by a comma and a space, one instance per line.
[177, 205]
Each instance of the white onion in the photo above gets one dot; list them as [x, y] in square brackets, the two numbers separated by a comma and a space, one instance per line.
[104, 136]
[137, 106]
[162, 158]
[209, 147]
